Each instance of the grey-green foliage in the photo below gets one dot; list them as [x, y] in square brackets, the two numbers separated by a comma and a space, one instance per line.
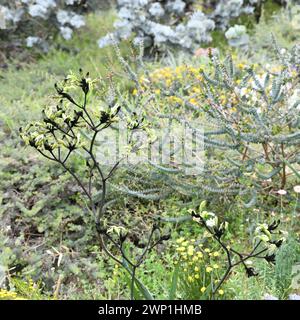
[287, 257]
[285, 24]
[227, 10]
[40, 210]
[251, 124]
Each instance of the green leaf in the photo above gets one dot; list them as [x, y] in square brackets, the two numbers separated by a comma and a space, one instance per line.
[172, 293]
[252, 201]
[144, 291]
[292, 168]
[269, 175]
[202, 205]
[140, 286]
[136, 293]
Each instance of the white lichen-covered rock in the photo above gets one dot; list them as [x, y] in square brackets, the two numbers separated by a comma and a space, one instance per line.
[229, 9]
[32, 41]
[292, 296]
[174, 23]
[153, 23]
[156, 9]
[40, 8]
[237, 36]
[66, 32]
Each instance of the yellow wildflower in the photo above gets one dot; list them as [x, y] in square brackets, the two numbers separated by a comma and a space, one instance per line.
[196, 90]
[203, 289]
[209, 269]
[180, 240]
[174, 99]
[294, 73]
[200, 254]
[193, 70]
[190, 250]
[168, 82]
[193, 101]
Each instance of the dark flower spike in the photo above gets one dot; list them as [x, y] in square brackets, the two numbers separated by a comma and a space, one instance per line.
[251, 272]
[63, 94]
[165, 237]
[274, 225]
[32, 143]
[155, 226]
[104, 117]
[271, 258]
[84, 85]
[117, 111]
[48, 147]
[100, 230]
[218, 232]
[277, 243]
[195, 215]
[123, 237]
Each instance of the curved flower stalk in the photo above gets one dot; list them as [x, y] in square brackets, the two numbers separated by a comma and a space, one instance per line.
[265, 244]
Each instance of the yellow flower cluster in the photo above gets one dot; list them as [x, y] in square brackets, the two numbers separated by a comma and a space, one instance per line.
[116, 270]
[199, 264]
[167, 77]
[170, 75]
[186, 77]
[8, 295]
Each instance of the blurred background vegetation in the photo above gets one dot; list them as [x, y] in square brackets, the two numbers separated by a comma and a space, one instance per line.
[47, 245]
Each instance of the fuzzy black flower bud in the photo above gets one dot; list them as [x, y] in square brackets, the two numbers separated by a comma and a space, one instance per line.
[270, 258]
[251, 272]
[274, 225]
